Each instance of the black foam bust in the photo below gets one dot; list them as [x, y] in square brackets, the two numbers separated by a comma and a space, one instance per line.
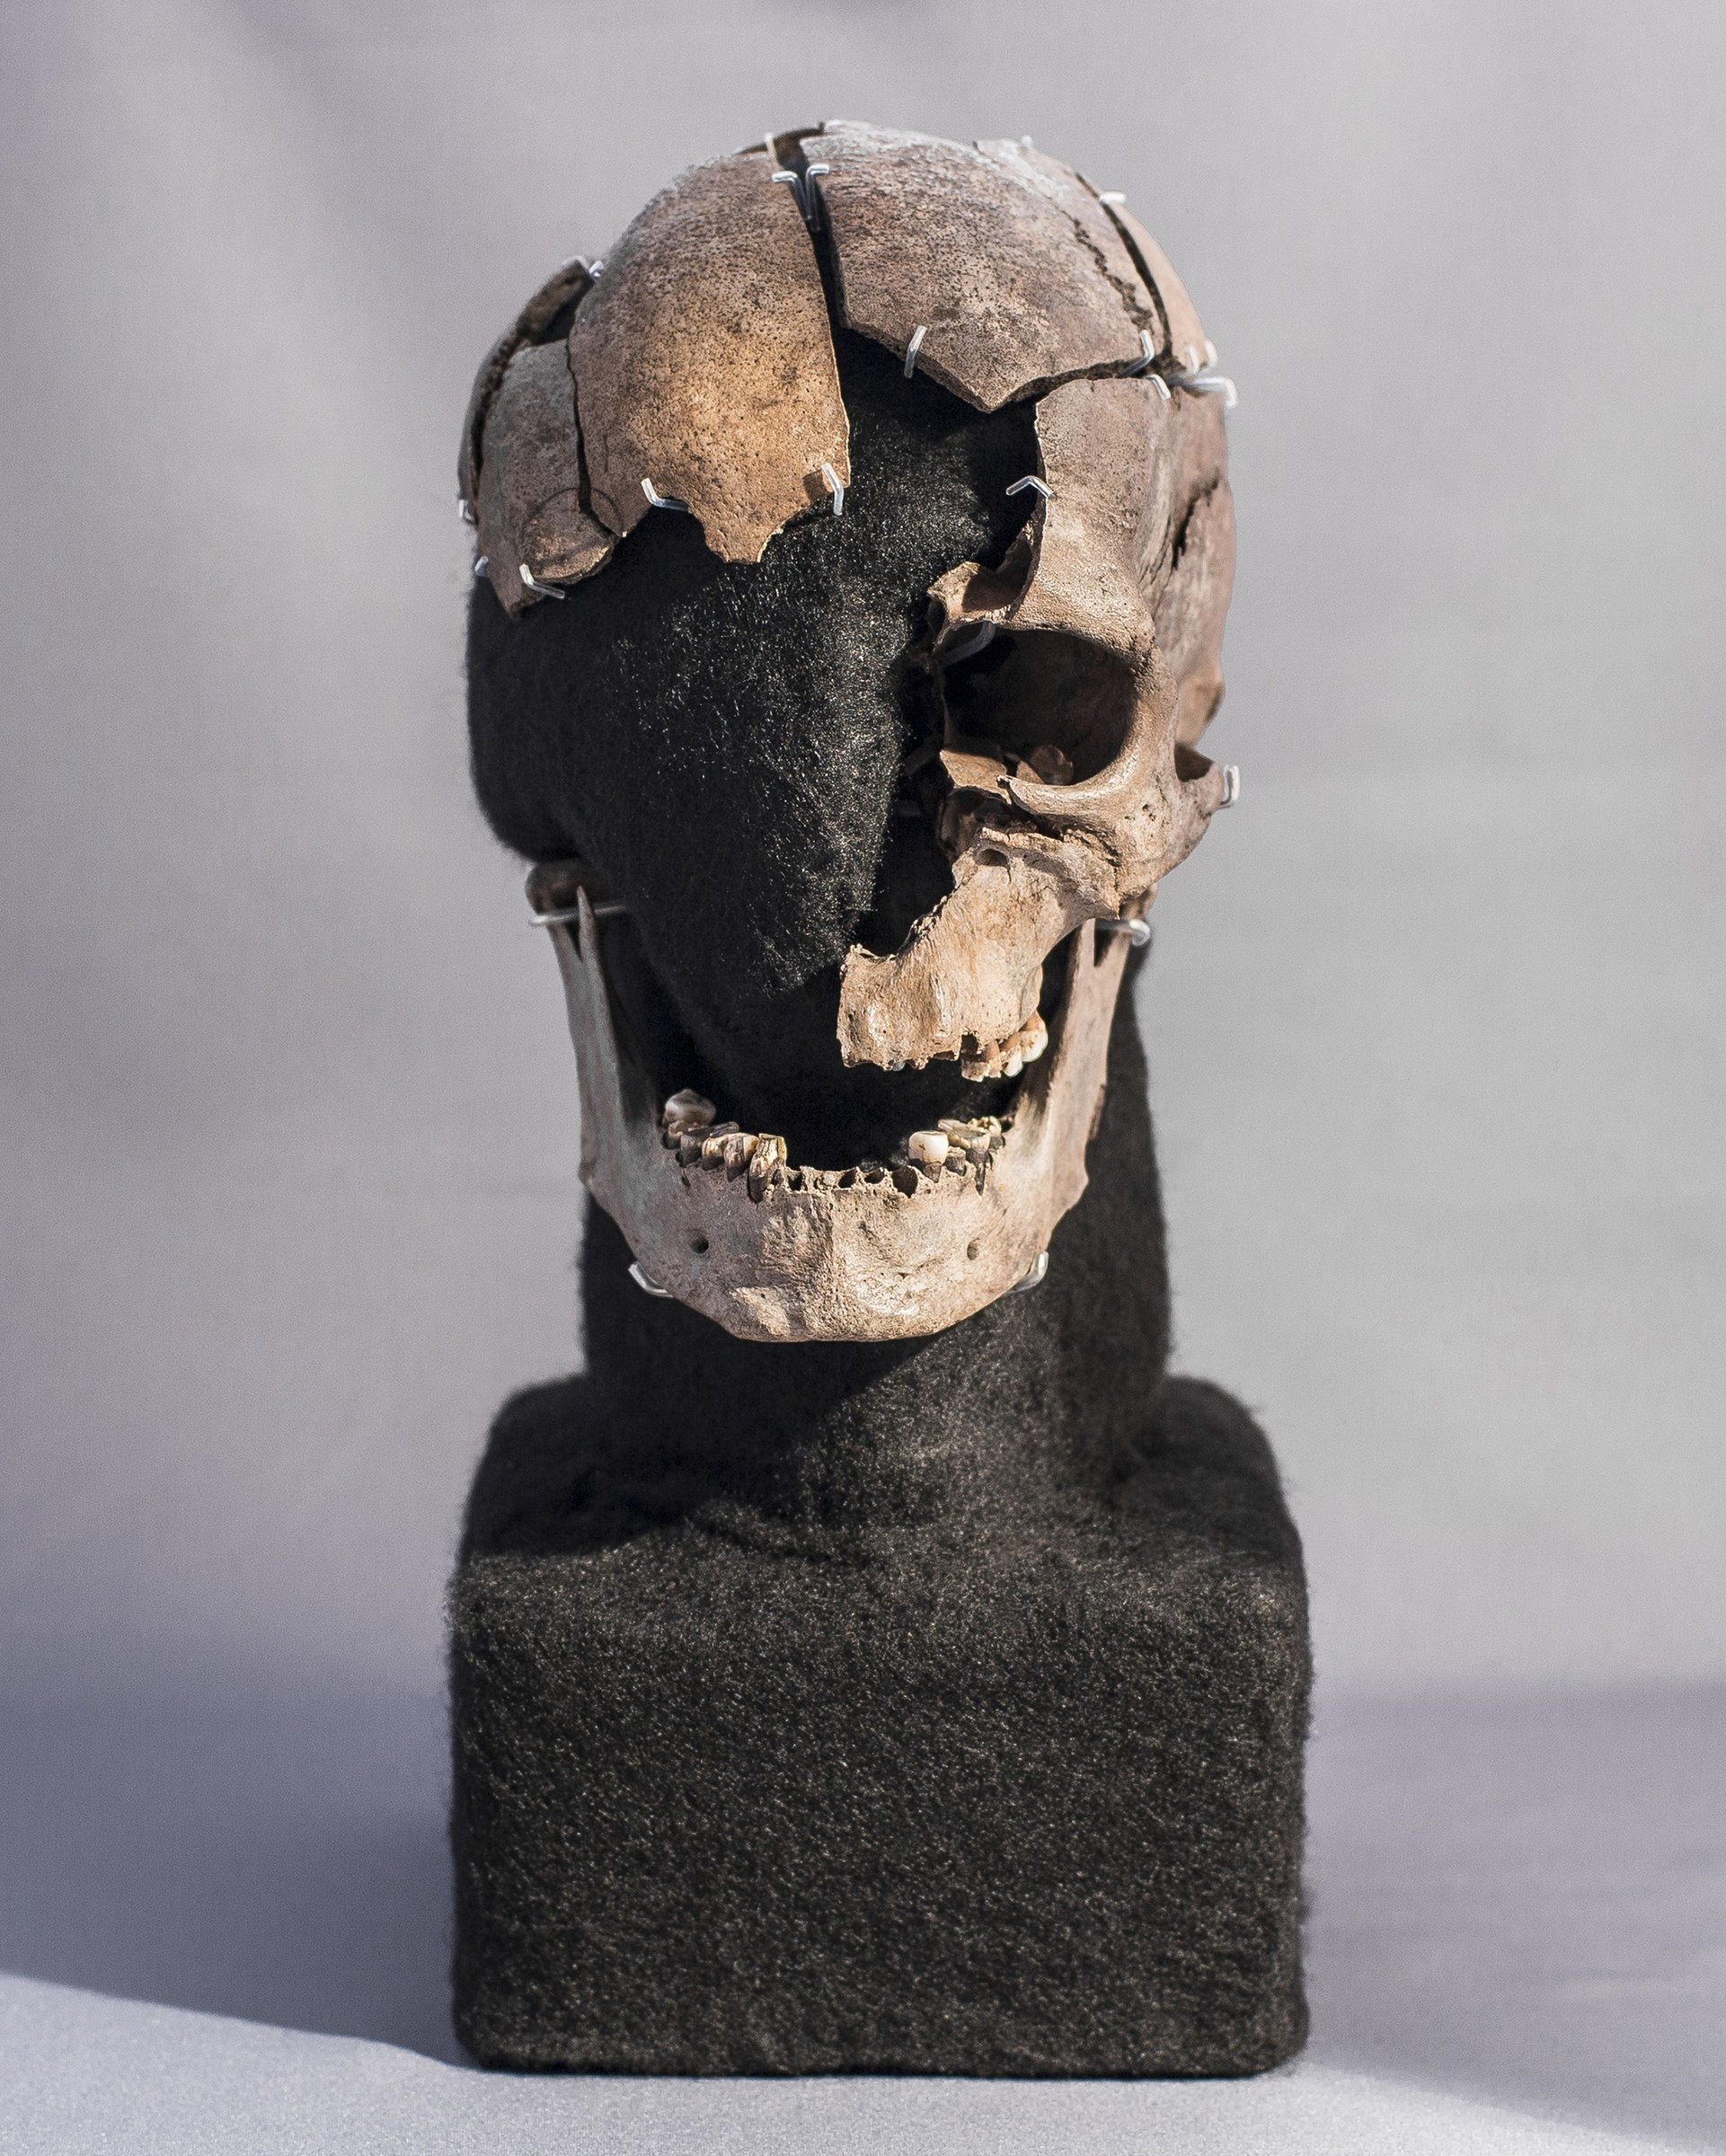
[932, 1706]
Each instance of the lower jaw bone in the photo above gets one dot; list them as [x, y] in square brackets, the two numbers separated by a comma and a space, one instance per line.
[775, 1253]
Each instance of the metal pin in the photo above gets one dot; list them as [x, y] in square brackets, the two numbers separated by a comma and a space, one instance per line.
[649, 1287]
[803, 191]
[1193, 361]
[1031, 480]
[1231, 785]
[480, 566]
[1112, 197]
[545, 591]
[1034, 1277]
[595, 267]
[1148, 346]
[608, 909]
[662, 501]
[1215, 385]
[1211, 353]
[913, 347]
[967, 646]
[1136, 933]
[465, 510]
[835, 487]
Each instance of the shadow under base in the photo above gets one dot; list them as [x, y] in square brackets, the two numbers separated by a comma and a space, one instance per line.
[1016, 1799]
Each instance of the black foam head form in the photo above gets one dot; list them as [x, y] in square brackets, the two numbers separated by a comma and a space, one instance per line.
[722, 741]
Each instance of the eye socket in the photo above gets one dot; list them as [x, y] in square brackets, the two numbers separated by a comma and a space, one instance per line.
[1033, 690]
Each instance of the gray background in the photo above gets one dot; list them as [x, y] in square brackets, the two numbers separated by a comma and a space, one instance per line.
[289, 1131]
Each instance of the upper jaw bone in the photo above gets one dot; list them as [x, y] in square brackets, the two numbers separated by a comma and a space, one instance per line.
[970, 971]
[1032, 860]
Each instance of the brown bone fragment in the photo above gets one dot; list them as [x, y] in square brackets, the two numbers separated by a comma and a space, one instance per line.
[530, 510]
[1006, 259]
[1184, 333]
[704, 363]
[565, 285]
[1032, 862]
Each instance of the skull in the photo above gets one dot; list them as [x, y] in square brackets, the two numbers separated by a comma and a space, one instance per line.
[1060, 690]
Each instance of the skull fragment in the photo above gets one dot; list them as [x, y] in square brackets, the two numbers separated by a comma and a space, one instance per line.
[958, 939]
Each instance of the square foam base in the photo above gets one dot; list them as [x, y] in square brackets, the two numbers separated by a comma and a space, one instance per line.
[1021, 1803]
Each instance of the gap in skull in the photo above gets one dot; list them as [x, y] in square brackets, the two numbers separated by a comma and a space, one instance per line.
[724, 741]
[1038, 689]
[866, 1125]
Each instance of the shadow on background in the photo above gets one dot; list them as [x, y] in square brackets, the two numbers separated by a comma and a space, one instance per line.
[281, 1867]
[1521, 1899]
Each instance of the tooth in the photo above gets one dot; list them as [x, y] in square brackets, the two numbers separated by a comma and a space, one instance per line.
[687, 1111]
[982, 1131]
[738, 1145]
[710, 1146]
[1033, 1036]
[928, 1148]
[766, 1155]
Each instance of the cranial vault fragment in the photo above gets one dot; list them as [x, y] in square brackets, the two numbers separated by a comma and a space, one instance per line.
[1057, 692]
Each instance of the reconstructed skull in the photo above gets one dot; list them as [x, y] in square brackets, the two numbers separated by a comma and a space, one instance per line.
[856, 544]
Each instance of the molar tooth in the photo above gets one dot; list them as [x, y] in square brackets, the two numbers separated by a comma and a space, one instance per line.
[1014, 1064]
[928, 1148]
[1033, 1036]
[687, 1111]
[709, 1147]
[738, 1145]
